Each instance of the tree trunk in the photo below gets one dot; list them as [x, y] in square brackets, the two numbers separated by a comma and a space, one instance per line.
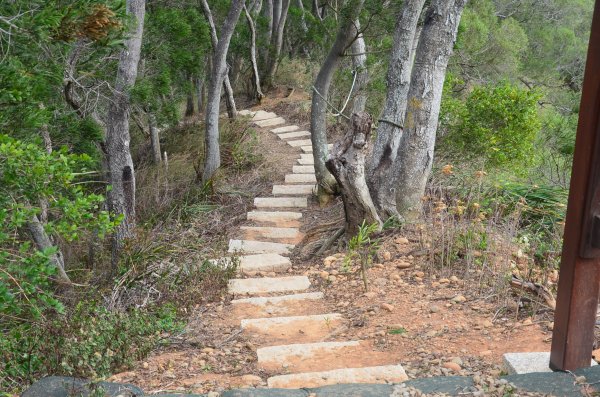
[346, 34]
[382, 163]
[415, 154]
[154, 138]
[277, 41]
[189, 106]
[212, 160]
[257, 91]
[277, 12]
[316, 9]
[121, 175]
[229, 98]
[359, 62]
[200, 88]
[347, 164]
[42, 242]
[267, 13]
[302, 18]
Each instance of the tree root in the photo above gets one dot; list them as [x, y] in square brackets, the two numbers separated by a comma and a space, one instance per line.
[534, 288]
[329, 241]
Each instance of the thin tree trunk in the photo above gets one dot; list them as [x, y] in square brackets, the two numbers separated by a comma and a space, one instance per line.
[277, 41]
[346, 34]
[43, 242]
[347, 164]
[381, 165]
[302, 18]
[121, 174]
[257, 91]
[212, 160]
[200, 88]
[214, 39]
[277, 12]
[359, 62]
[316, 9]
[189, 107]
[267, 13]
[154, 138]
[415, 152]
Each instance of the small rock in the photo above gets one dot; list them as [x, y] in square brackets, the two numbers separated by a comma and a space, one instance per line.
[330, 260]
[444, 281]
[251, 380]
[420, 274]
[487, 324]
[434, 308]
[208, 350]
[401, 240]
[527, 321]
[403, 265]
[145, 365]
[370, 295]
[580, 379]
[381, 282]
[459, 299]
[386, 255]
[454, 279]
[550, 325]
[324, 275]
[332, 279]
[387, 307]
[452, 366]
[457, 360]
[485, 353]
[394, 277]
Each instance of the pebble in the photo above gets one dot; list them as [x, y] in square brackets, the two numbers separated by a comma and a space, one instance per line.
[459, 299]
[401, 240]
[386, 255]
[452, 366]
[403, 265]
[324, 275]
[434, 308]
[387, 306]
[251, 380]
[444, 281]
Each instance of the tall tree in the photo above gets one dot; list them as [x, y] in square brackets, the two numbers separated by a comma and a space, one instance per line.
[346, 34]
[280, 14]
[212, 160]
[119, 164]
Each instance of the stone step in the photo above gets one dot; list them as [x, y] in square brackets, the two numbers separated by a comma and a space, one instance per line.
[246, 112]
[303, 169]
[259, 247]
[322, 356]
[287, 128]
[308, 149]
[283, 190]
[290, 235]
[294, 329]
[300, 178]
[286, 305]
[306, 161]
[270, 122]
[258, 263]
[280, 218]
[300, 142]
[307, 156]
[296, 134]
[262, 115]
[267, 285]
[281, 202]
[380, 374]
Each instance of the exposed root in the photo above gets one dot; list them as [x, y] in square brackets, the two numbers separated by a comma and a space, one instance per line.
[534, 288]
[329, 242]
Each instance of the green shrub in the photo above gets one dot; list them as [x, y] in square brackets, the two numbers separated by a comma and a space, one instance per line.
[499, 124]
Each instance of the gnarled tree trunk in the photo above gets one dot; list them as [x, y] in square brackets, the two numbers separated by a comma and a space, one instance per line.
[212, 160]
[154, 138]
[121, 174]
[346, 34]
[347, 165]
[415, 154]
[359, 62]
[257, 91]
[385, 150]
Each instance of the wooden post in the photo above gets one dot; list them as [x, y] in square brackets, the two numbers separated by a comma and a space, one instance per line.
[579, 283]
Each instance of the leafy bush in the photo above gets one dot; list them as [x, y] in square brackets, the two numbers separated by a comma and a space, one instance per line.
[499, 124]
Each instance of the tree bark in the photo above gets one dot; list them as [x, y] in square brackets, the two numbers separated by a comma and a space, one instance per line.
[42, 242]
[383, 159]
[346, 34]
[415, 152]
[347, 164]
[121, 174]
[212, 160]
[316, 9]
[214, 39]
[200, 88]
[359, 62]
[277, 40]
[257, 91]
[154, 138]
[267, 13]
[189, 106]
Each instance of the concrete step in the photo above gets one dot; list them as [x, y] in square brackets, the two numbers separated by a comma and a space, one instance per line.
[262, 115]
[286, 305]
[281, 202]
[303, 169]
[308, 148]
[290, 235]
[296, 134]
[300, 142]
[287, 128]
[270, 122]
[259, 263]
[306, 161]
[279, 218]
[259, 247]
[268, 285]
[246, 112]
[294, 329]
[322, 356]
[307, 156]
[284, 190]
[380, 374]
[300, 178]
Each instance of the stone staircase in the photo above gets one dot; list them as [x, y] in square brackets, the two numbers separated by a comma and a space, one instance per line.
[283, 315]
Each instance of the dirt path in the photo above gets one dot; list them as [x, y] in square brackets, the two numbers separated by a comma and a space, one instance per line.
[290, 324]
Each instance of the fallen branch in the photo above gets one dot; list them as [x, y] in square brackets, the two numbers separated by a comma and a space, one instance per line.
[534, 288]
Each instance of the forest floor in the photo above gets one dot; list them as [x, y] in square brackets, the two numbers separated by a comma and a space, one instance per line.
[430, 320]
